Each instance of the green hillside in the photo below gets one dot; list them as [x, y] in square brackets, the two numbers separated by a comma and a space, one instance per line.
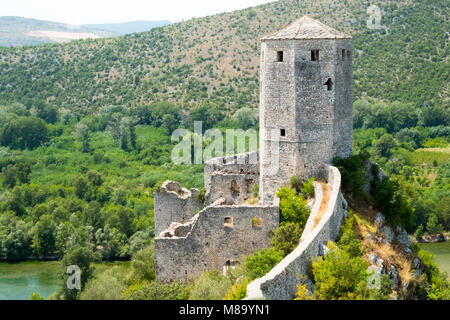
[216, 58]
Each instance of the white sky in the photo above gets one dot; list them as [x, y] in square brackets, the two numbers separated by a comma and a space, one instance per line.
[78, 12]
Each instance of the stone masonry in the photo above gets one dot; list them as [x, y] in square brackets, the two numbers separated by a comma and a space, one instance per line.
[305, 121]
[306, 102]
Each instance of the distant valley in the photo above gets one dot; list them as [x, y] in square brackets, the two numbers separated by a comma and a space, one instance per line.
[18, 31]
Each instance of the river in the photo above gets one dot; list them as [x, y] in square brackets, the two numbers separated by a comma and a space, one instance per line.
[19, 280]
[441, 252]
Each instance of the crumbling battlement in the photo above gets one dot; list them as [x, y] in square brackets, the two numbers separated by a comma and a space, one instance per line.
[232, 177]
[174, 204]
[215, 237]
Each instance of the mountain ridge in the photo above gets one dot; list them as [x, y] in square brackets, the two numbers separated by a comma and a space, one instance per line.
[216, 59]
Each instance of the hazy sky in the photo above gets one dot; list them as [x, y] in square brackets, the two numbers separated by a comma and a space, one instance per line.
[102, 11]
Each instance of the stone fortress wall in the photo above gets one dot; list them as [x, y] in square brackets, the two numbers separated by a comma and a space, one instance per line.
[305, 120]
[216, 237]
[172, 203]
[282, 281]
[231, 177]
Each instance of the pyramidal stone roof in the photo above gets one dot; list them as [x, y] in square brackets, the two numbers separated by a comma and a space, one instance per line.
[306, 28]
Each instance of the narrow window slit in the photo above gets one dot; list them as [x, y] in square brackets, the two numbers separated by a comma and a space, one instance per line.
[314, 55]
[280, 56]
[329, 84]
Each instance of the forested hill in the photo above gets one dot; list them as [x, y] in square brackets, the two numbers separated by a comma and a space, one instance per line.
[216, 59]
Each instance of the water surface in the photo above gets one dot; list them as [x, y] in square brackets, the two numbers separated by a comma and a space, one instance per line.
[19, 280]
[441, 252]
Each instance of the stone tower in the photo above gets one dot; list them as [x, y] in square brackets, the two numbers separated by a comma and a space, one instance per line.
[305, 104]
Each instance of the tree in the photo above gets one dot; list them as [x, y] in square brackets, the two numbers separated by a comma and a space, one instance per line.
[123, 137]
[209, 115]
[210, 286]
[246, 118]
[293, 208]
[82, 131]
[9, 176]
[92, 215]
[109, 285]
[44, 240]
[143, 264]
[383, 146]
[165, 114]
[339, 276]
[83, 259]
[433, 225]
[133, 137]
[81, 186]
[23, 133]
[46, 112]
[287, 237]
[261, 262]
[23, 172]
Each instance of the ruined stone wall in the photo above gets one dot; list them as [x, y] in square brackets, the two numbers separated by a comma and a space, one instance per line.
[208, 241]
[172, 203]
[282, 281]
[231, 178]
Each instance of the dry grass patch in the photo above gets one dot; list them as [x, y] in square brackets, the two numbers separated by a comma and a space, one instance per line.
[326, 190]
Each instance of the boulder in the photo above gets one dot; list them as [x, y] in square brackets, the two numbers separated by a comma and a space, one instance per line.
[379, 220]
[323, 249]
[403, 239]
[393, 275]
[388, 234]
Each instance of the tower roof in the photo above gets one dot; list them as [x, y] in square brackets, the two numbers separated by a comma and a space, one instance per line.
[306, 28]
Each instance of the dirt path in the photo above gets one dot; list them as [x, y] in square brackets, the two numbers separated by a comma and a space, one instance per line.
[326, 190]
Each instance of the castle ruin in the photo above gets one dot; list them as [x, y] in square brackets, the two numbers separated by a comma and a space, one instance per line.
[305, 121]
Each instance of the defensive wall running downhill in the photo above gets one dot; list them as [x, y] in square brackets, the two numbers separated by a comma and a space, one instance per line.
[215, 238]
[281, 283]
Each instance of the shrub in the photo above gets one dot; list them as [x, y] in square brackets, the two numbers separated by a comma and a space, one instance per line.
[36, 296]
[295, 183]
[177, 290]
[390, 197]
[293, 208]
[440, 286]
[200, 196]
[338, 276]
[143, 264]
[261, 262]
[238, 290]
[352, 171]
[210, 285]
[308, 188]
[255, 190]
[83, 258]
[348, 241]
[287, 238]
[109, 285]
